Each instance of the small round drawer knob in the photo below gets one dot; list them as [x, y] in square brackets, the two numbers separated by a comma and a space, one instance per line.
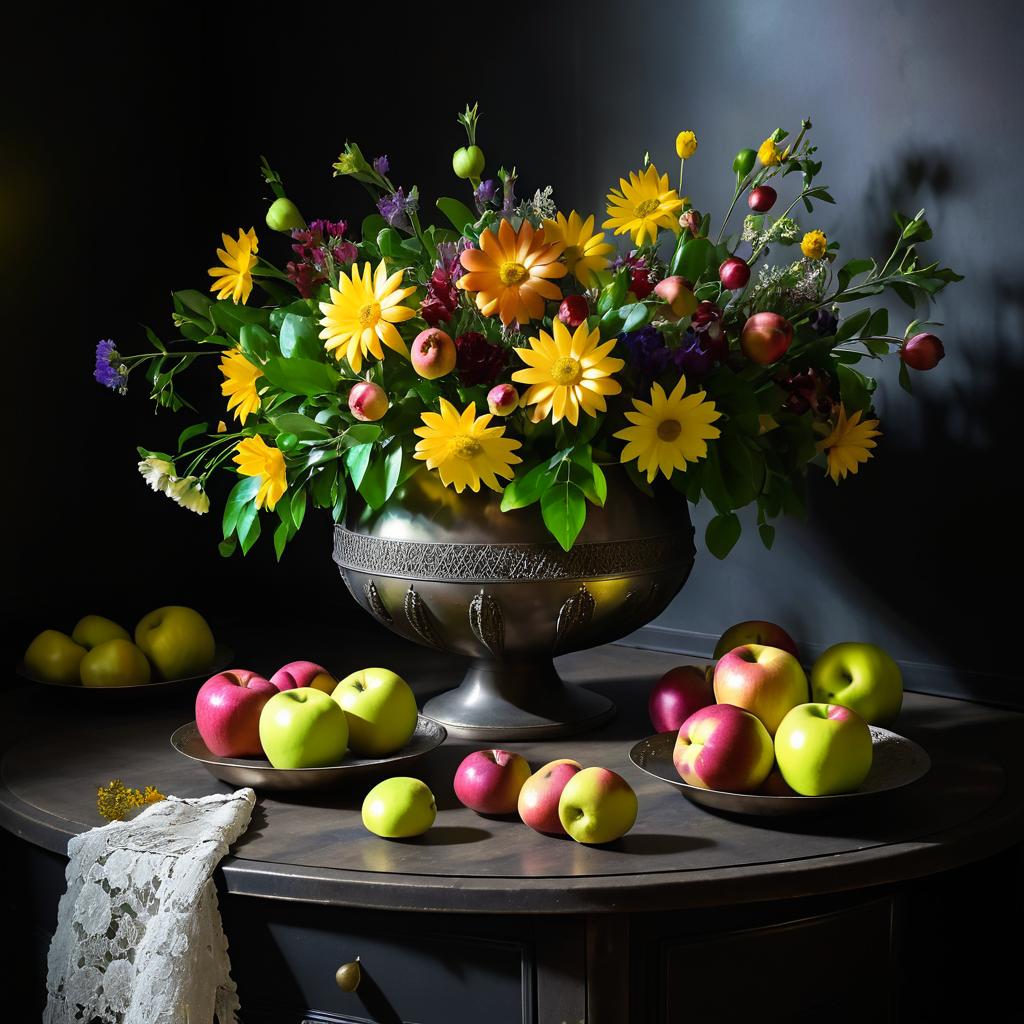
[348, 976]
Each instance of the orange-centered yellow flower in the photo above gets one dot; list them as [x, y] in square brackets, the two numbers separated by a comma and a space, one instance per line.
[464, 450]
[234, 279]
[849, 443]
[568, 372]
[583, 252]
[239, 386]
[363, 312]
[256, 458]
[644, 204]
[511, 272]
[669, 431]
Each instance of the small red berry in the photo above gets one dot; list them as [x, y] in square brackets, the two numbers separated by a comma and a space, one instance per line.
[762, 198]
[922, 352]
[733, 273]
[573, 310]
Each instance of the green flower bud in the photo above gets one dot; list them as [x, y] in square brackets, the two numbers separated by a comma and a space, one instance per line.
[468, 162]
[286, 442]
[744, 162]
[284, 215]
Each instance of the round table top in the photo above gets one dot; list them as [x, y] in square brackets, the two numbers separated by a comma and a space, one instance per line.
[314, 848]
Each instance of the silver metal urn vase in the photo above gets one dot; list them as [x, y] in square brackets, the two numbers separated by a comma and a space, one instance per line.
[454, 572]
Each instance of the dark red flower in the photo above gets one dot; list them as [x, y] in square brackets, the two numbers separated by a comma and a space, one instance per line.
[477, 360]
[442, 298]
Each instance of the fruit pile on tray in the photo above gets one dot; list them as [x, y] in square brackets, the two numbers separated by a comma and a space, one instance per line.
[173, 642]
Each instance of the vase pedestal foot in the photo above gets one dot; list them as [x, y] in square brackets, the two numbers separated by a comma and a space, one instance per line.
[504, 701]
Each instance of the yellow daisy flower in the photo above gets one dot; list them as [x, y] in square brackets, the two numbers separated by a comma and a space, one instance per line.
[234, 279]
[686, 145]
[849, 443]
[464, 450]
[669, 431]
[239, 386]
[813, 245]
[510, 272]
[768, 153]
[363, 312]
[644, 204]
[584, 252]
[256, 458]
[568, 372]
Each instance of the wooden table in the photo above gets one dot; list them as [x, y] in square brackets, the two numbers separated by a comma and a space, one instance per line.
[484, 913]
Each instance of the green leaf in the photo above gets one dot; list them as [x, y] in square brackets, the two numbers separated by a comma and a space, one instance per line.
[527, 489]
[301, 376]
[381, 477]
[863, 291]
[255, 342]
[564, 509]
[189, 432]
[324, 484]
[877, 325]
[600, 487]
[613, 293]
[459, 215]
[694, 258]
[389, 241]
[767, 534]
[357, 458]
[248, 529]
[905, 378]
[281, 537]
[240, 496]
[361, 433]
[372, 226]
[301, 426]
[721, 534]
[905, 293]
[195, 301]
[852, 325]
[300, 336]
[852, 269]
[854, 388]
[228, 547]
[635, 316]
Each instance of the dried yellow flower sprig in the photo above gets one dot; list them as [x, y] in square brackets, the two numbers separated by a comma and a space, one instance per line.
[115, 799]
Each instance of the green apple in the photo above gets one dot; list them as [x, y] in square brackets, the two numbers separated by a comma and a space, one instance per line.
[381, 711]
[822, 749]
[303, 728]
[399, 808]
[596, 806]
[177, 641]
[92, 630]
[55, 657]
[114, 662]
[862, 677]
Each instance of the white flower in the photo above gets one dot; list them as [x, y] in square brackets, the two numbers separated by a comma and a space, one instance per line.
[158, 473]
[188, 493]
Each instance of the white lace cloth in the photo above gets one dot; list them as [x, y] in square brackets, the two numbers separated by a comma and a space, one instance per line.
[139, 938]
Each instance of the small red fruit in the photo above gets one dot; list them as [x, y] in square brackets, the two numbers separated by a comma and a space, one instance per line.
[922, 352]
[765, 338]
[762, 198]
[573, 310]
[733, 273]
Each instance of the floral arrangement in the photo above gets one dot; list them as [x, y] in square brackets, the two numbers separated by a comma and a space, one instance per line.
[515, 347]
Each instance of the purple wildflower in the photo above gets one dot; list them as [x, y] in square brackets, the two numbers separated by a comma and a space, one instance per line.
[484, 193]
[381, 164]
[312, 245]
[646, 353]
[695, 357]
[824, 321]
[395, 208]
[110, 371]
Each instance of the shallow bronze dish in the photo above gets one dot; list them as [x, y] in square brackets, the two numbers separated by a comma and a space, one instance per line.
[261, 774]
[897, 762]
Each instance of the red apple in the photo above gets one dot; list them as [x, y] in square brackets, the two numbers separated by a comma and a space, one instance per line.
[304, 673]
[677, 694]
[432, 353]
[538, 799]
[228, 708]
[734, 273]
[677, 293]
[766, 681]
[723, 747]
[367, 401]
[762, 198]
[502, 399]
[489, 781]
[922, 352]
[766, 337]
[755, 631]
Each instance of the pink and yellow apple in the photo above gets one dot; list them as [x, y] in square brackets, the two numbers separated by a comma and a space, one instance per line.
[677, 293]
[677, 694]
[489, 781]
[432, 353]
[597, 805]
[303, 728]
[228, 708]
[723, 747]
[756, 631]
[304, 673]
[862, 677]
[538, 799]
[766, 337]
[381, 711]
[367, 401]
[823, 749]
[766, 681]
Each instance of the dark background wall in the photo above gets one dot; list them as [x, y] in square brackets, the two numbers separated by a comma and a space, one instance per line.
[128, 147]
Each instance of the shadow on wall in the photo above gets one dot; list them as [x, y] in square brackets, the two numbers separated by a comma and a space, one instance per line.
[937, 554]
